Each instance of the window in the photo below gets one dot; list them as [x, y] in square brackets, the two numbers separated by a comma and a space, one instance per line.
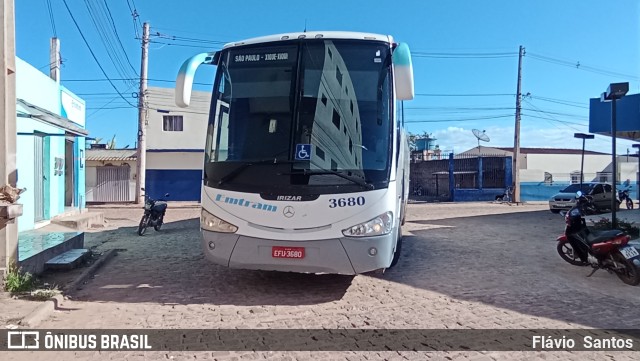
[334, 165]
[320, 153]
[172, 123]
[604, 177]
[336, 119]
[575, 177]
[324, 100]
[339, 76]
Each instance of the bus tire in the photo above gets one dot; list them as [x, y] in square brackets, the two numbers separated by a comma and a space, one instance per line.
[396, 253]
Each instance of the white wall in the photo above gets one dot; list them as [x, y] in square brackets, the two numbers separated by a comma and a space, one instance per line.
[194, 124]
[177, 160]
[36, 88]
[567, 163]
[92, 176]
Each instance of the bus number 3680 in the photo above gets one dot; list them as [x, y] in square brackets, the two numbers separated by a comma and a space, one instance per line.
[346, 202]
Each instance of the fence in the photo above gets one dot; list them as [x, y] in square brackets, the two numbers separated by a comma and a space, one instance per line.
[464, 177]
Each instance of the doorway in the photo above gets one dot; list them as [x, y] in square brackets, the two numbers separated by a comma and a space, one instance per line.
[69, 173]
[39, 177]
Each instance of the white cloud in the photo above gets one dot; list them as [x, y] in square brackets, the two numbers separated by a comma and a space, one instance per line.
[460, 139]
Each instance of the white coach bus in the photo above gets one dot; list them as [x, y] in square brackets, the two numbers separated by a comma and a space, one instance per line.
[306, 159]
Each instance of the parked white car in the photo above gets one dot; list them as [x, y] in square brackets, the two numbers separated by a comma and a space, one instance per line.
[600, 192]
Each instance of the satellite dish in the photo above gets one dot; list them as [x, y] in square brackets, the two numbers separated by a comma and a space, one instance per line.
[481, 136]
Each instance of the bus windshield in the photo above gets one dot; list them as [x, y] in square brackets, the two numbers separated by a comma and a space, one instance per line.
[305, 116]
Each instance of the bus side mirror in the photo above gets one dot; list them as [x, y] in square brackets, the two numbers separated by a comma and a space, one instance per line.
[403, 72]
[184, 81]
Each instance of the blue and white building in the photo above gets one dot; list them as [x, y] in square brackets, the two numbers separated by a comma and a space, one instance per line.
[175, 145]
[50, 147]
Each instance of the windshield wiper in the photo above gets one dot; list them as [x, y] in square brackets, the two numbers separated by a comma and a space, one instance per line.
[244, 166]
[359, 181]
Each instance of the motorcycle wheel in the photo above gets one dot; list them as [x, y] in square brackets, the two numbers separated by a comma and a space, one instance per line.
[629, 204]
[630, 274]
[565, 250]
[158, 224]
[142, 227]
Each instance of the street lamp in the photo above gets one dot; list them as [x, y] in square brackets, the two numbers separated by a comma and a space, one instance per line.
[638, 176]
[614, 91]
[583, 137]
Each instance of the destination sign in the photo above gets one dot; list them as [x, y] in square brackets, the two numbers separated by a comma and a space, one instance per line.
[242, 58]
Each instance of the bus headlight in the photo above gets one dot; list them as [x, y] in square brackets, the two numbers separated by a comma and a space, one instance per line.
[378, 226]
[209, 222]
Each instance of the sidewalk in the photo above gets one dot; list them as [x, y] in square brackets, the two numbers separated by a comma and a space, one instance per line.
[172, 204]
[630, 216]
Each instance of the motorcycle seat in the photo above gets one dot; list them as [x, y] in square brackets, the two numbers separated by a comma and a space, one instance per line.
[601, 236]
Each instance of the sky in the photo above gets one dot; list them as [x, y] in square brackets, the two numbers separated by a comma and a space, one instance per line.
[465, 56]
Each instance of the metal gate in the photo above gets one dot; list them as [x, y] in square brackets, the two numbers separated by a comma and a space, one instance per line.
[113, 184]
[39, 177]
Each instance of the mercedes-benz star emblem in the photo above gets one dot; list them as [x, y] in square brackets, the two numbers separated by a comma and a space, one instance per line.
[288, 211]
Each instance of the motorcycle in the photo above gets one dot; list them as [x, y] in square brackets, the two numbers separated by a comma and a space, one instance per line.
[607, 250]
[154, 210]
[623, 196]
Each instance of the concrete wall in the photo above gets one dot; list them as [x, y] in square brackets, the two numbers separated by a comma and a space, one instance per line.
[92, 176]
[567, 163]
[53, 191]
[177, 173]
[175, 158]
[195, 120]
[37, 88]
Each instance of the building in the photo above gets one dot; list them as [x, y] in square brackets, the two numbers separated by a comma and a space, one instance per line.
[545, 171]
[111, 174]
[50, 147]
[175, 145]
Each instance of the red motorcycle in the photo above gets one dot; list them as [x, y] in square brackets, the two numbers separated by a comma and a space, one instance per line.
[601, 250]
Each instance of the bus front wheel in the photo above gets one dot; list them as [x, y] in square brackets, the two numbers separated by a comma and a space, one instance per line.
[396, 254]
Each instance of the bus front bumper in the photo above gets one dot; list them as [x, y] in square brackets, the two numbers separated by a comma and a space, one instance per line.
[338, 255]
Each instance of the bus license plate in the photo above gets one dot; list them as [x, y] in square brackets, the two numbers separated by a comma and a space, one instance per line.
[287, 252]
[629, 252]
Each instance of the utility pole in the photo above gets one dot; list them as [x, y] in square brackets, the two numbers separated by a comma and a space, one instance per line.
[516, 138]
[141, 153]
[8, 171]
[54, 59]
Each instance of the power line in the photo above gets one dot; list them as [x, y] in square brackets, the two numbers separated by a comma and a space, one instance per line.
[460, 119]
[93, 54]
[422, 54]
[51, 19]
[464, 95]
[558, 101]
[98, 18]
[115, 31]
[135, 16]
[577, 65]
[182, 45]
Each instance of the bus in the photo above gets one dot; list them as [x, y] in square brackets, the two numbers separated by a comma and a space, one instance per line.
[306, 165]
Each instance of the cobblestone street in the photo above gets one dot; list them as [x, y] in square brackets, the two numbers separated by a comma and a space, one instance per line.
[466, 265]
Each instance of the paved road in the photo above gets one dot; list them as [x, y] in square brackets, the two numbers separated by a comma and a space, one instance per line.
[476, 265]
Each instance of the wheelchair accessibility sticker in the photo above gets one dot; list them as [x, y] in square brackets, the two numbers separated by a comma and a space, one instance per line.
[303, 151]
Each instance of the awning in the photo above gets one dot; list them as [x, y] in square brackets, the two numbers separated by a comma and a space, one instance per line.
[27, 110]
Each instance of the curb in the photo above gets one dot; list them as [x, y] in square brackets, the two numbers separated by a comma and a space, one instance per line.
[44, 310]
[89, 272]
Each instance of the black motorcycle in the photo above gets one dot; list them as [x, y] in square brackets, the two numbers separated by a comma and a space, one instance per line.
[623, 196]
[154, 210]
